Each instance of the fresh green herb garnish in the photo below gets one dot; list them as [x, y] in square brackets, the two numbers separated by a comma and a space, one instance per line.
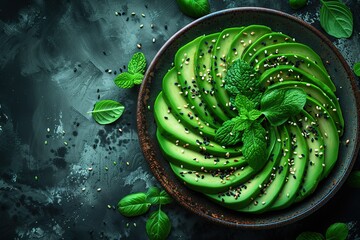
[158, 225]
[254, 149]
[296, 4]
[155, 196]
[279, 104]
[107, 111]
[194, 8]
[241, 79]
[230, 132]
[310, 236]
[133, 205]
[135, 74]
[357, 69]
[336, 19]
[337, 231]
[354, 179]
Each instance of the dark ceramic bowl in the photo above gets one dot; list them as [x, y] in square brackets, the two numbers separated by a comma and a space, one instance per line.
[278, 21]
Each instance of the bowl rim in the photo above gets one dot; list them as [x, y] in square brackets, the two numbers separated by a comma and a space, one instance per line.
[142, 107]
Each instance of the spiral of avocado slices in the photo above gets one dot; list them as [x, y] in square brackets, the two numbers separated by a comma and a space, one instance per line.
[194, 103]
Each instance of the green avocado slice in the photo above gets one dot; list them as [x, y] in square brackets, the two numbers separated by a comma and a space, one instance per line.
[274, 184]
[328, 129]
[205, 80]
[212, 181]
[180, 107]
[245, 39]
[287, 48]
[241, 195]
[181, 155]
[329, 102]
[297, 165]
[298, 61]
[264, 41]
[285, 73]
[171, 128]
[220, 63]
[185, 67]
[314, 169]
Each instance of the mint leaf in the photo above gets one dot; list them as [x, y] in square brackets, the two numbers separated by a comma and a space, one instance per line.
[194, 8]
[354, 179]
[137, 63]
[155, 196]
[133, 205]
[254, 148]
[254, 114]
[241, 79]
[280, 104]
[336, 19]
[310, 236]
[124, 80]
[231, 131]
[138, 78]
[158, 225]
[107, 111]
[242, 102]
[357, 69]
[337, 231]
[296, 4]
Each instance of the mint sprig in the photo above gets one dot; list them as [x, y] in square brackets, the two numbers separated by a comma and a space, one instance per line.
[276, 106]
[135, 74]
[337, 231]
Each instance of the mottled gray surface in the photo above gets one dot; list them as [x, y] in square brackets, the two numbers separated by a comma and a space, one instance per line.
[52, 64]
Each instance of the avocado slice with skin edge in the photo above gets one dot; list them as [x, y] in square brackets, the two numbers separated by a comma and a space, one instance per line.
[328, 129]
[241, 196]
[285, 73]
[315, 167]
[244, 40]
[193, 160]
[297, 165]
[186, 69]
[219, 66]
[171, 128]
[316, 93]
[205, 80]
[298, 61]
[180, 107]
[287, 48]
[265, 40]
[274, 184]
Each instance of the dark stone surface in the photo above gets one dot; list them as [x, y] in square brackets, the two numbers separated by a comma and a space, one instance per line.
[52, 67]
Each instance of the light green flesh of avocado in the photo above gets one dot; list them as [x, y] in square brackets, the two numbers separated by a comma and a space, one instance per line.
[193, 105]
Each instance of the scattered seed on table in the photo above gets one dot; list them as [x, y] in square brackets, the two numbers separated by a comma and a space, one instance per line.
[65, 143]
[83, 189]
[116, 13]
[134, 224]
[152, 25]
[127, 163]
[153, 40]
[48, 129]
[141, 25]
[133, 14]
[99, 189]
[46, 142]
[36, 178]
[90, 169]
[109, 206]
[139, 45]
[143, 15]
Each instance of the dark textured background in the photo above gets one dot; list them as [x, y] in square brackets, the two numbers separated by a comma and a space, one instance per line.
[52, 69]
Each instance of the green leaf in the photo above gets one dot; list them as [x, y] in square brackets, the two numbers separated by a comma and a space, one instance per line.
[337, 231]
[336, 19]
[194, 8]
[158, 226]
[241, 79]
[137, 63]
[138, 78]
[125, 80]
[107, 111]
[231, 131]
[133, 205]
[280, 104]
[254, 114]
[242, 102]
[357, 69]
[354, 179]
[296, 4]
[254, 148]
[155, 196]
[310, 236]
